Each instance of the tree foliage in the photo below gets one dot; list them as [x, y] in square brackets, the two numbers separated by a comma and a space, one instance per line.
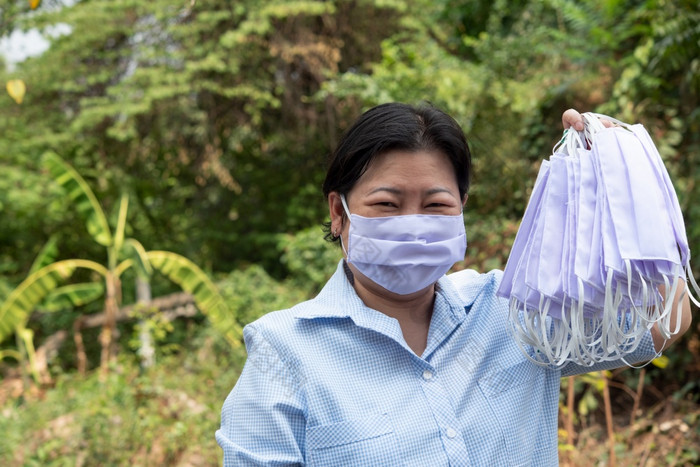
[46, 282]
[205, 101]
[216, 117]
[230, 110]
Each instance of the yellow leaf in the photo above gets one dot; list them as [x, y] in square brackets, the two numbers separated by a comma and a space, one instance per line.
[16, 89]
[34, 3]
[661, 362]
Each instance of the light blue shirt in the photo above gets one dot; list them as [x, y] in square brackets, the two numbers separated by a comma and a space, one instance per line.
[331, 382]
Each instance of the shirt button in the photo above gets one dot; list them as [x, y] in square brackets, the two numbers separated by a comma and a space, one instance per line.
[451, 433]
[427, 374]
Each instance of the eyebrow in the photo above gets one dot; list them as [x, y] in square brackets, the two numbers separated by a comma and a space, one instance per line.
[396, 191]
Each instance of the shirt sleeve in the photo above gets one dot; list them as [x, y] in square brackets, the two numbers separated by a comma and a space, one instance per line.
[263, 420]
[644, 352]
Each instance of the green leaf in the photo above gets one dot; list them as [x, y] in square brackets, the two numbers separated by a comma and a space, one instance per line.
[82, 196]
[15, 311]
[73, 295]
[137, 256]
[10, 353]
[192, 279]
[46, 256]
[121, 222]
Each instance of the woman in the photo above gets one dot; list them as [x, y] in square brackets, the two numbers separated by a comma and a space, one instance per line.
[394, 363]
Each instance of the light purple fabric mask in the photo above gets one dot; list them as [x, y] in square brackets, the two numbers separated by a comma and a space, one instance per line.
[517, 261]
[602, 231]
[405, 254]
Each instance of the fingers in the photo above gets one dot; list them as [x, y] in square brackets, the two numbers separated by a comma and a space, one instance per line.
[571, 118]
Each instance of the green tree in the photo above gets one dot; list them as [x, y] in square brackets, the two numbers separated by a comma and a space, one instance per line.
[122, 254]
[207, 102]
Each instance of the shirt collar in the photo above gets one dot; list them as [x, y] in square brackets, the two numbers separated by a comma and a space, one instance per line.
[463, 287]
[338, 300]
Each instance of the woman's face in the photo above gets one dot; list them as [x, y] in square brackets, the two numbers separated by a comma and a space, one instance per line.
[399, 183]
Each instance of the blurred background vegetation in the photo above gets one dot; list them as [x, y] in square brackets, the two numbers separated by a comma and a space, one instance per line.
[215, 118]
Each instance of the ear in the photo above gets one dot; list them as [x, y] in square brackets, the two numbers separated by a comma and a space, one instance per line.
[337, 212]
[464, 201]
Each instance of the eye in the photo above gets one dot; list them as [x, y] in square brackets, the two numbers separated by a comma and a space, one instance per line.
[387, 204]
[439, 205]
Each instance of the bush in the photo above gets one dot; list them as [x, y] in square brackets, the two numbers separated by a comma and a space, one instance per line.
[163, 417]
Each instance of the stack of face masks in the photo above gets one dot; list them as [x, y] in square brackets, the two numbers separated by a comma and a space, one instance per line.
[603, 231]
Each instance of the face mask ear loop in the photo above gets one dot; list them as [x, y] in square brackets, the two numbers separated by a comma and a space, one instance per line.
[347, 211]
[611, 119]
[345, 205]
[693, 283]
[343, 246]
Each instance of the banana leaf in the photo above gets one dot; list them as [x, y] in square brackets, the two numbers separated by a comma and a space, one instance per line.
[80, 193]
[192, 279]
[72, 295]
[15, 311]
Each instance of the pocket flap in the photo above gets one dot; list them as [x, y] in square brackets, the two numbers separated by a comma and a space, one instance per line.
[497, 382]
[351, 431]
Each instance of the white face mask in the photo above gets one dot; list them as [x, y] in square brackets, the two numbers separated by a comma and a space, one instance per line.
[405, 254]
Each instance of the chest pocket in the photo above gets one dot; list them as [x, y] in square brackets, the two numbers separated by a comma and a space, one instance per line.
[498, 382]
[368, 441]
[514, 395]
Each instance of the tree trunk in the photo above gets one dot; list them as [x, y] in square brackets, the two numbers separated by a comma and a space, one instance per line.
[638, 396]
[146, 350]
[173, 306]
[46, 352]
[109, 329]
[609, 421]
[80, 355]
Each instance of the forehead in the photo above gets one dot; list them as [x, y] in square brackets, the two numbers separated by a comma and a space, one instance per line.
[427, 167]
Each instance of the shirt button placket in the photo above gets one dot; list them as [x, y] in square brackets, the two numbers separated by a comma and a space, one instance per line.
[442, 409]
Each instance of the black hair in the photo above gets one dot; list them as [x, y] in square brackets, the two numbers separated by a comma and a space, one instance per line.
[396, 126]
